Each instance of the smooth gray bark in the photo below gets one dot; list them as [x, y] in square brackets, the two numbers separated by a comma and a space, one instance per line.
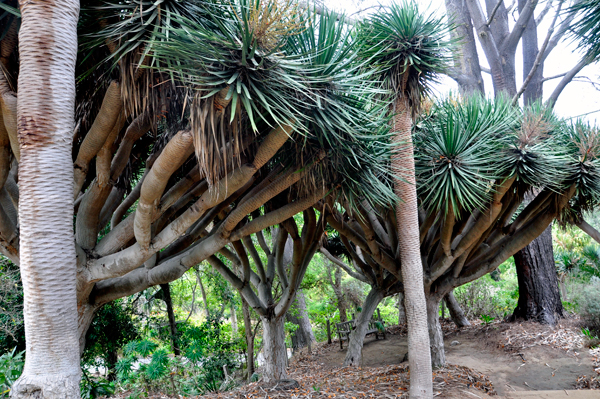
[274, 350]
[456, 312]
[357, 336]
[436, 336]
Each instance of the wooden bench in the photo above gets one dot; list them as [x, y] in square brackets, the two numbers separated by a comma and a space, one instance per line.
[344, 329]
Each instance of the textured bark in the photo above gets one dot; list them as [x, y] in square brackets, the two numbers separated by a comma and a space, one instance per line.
[357, 336]
[436, 336]
[48, 264]
[274, 350]
[539, 294]
[407, 219]
[456, 312]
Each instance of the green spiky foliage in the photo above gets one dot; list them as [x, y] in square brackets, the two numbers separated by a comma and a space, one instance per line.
[409, 47]
[303, 71]
[586, 27]
[490, 179]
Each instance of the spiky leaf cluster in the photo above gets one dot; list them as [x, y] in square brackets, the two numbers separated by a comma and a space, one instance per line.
[307, 75]
[463, 148]
[586, 27]
[409, 47]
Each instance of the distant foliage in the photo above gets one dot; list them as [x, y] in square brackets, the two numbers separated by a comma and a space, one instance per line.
[12, 331]
[148, 366]
[589, 306]
[111, 329]
[492, 297]
[11, 367]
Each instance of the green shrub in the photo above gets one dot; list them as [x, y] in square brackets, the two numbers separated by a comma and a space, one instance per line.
[11, 367]
[589, 307]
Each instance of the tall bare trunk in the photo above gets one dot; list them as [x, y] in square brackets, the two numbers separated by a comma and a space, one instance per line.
[421, 385]
[249, 338]
[456, 312]
[357, 337]
[274, 350]
[436, 336]
[46, 98]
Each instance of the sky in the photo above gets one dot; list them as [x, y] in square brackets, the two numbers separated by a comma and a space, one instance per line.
[578, 98]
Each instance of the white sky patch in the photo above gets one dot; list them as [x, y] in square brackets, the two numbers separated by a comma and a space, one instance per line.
[578, 98]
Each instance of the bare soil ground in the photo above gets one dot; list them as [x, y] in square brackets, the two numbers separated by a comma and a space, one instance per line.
[515, 356]
[508, 359]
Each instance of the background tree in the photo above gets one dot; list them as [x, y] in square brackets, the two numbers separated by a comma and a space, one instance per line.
[467, 226]
[492, 25]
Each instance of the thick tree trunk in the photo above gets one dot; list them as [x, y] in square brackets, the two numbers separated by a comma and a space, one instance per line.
[274, 350]
[456, 312]
[171, 315]
[357, 337]
[539, 294]
[46, 103]
[436, 336]
[421, 385]
[303, 336]
[401, 309]
[249, 338]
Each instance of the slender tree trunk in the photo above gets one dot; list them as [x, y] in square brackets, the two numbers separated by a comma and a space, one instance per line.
[171, 314]
[336, 285]
[249, 338]
[539, 294]
[456, 312]
[234, 323]
[357, 336]
[46, 103]
[203, 295]
[401, 309]
[111, 365]
[436, 336]
[421, 385]
[274, 350]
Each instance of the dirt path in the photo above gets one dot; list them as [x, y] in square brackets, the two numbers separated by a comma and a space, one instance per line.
[510, 354]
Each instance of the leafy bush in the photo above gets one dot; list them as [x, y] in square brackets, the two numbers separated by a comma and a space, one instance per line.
[11, 367]
[490, 297]
[148, 367]
[589, 306]
[92, 388]
[111, 329]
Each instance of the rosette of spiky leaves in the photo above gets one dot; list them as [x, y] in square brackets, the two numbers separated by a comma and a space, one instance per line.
[582, 145]
[534, 154]
[409, 48]
[239, 80]
[120, 35]
[586, 27]
[344, 116]
[458, 151]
